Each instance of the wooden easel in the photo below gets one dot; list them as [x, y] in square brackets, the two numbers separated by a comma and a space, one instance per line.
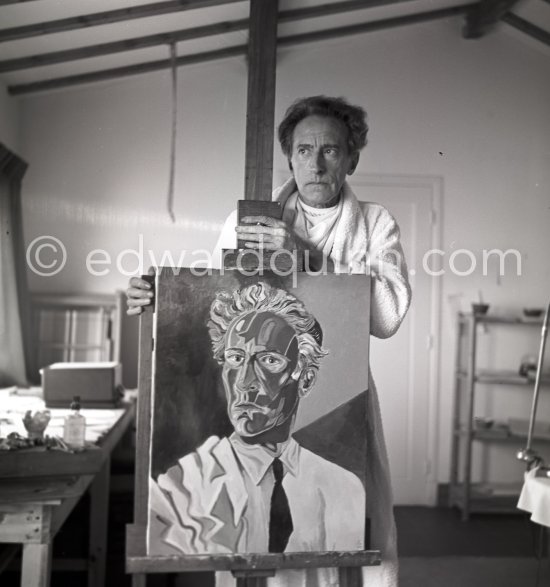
[250, 570]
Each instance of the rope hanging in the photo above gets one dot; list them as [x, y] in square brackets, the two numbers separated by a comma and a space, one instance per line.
[174, 72]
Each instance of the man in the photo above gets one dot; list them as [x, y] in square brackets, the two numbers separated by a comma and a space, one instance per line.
[322, 138]
[258, 490]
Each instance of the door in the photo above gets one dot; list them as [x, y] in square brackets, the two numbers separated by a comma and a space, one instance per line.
[404, 366]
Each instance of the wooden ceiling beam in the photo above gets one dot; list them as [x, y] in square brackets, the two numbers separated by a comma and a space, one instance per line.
[526, 27]
[483, 16]
[149, 10]
[334, 8]
[102, 49]
[377, 25]
[6, 2]
[122, 46]
[127, 70]
[108, 17]
[96, 76]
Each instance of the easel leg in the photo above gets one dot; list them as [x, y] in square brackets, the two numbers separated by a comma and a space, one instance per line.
[252, 582]
[139, 580]
[350, 576]
[253, 578]
[99, 516]
[36, 565]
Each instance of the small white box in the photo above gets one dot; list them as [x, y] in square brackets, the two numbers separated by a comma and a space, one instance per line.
[99, 385]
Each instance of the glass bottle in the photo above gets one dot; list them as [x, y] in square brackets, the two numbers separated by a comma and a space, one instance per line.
[74, 431]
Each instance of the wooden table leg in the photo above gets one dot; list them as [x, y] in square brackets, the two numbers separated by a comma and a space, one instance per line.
[350, 576]
[36, 565]
[99, 517]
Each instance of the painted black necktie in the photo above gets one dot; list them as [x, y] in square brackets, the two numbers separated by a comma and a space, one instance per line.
[280, 520]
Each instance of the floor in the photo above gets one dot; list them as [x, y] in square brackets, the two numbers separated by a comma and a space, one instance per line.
[428, 532]
[436, 549]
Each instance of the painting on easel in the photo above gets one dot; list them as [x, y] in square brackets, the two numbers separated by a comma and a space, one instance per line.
[258, 413]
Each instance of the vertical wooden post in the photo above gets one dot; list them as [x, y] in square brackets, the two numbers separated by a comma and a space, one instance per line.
[260, 110]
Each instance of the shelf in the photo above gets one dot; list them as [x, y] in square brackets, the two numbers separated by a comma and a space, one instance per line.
[513, 432]
[488, 436]
[504, 319]
[505, 377]
[515, 429]
[488, 497]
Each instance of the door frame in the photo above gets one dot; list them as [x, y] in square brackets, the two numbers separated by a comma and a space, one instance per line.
[436, 185]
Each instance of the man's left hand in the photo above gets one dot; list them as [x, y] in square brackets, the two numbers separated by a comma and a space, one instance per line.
[264, 232]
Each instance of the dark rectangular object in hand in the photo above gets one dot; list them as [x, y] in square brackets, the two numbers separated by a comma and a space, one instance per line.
[99, 385]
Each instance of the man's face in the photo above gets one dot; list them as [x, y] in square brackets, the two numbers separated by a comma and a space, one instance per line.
[261, 357]
[320, 159]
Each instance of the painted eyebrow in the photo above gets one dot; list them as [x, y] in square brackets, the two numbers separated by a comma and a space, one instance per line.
[325, 146]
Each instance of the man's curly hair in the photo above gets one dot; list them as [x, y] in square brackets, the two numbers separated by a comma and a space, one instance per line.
[228, 306]
[353, 118]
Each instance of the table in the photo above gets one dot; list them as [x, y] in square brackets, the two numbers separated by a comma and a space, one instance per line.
[38, 490]
[535, 498]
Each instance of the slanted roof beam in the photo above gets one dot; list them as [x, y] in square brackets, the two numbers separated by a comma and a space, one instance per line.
[526, 27]
[483, 16]
[238, 50]
[101, 18]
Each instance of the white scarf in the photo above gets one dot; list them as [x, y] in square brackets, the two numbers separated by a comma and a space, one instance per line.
[340, 235]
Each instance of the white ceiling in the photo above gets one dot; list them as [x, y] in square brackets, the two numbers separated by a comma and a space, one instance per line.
[14, 13]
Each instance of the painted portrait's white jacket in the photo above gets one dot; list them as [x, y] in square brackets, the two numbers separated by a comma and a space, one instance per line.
[217, 499]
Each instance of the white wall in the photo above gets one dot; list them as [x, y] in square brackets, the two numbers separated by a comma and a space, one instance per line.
[473, 112]
[9, 120]
[100, 167]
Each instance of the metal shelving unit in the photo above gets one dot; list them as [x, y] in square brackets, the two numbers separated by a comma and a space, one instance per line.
[472, 497]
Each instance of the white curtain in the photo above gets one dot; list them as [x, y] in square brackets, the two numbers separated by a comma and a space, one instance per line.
[13, 288]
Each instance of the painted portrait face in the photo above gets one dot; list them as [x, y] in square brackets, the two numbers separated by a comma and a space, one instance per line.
[260, 373]
[320, 159]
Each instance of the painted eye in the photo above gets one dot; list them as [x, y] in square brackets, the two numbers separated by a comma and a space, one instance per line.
[233, 359]
[272, 362]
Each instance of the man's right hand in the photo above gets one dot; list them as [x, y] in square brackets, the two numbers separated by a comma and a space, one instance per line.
[139, 293]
